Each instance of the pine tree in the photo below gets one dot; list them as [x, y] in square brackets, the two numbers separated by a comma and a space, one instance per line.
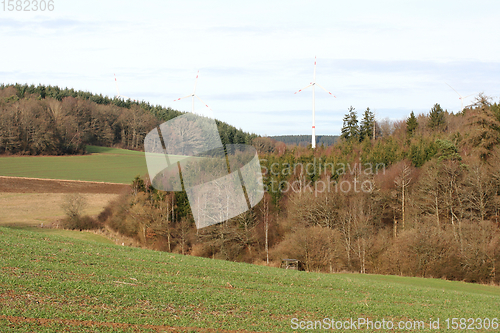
[350, 128]
[411, 124]
[484, 127]
[436, 117]
[366, 126]
[447, 150]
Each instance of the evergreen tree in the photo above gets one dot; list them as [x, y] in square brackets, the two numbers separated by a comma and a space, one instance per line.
[447, 150]
[484, 127]
[350, 128]
[366, 126]
[411, 124]
[436, 117]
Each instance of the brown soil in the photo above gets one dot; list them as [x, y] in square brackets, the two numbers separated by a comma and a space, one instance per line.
[38, 185]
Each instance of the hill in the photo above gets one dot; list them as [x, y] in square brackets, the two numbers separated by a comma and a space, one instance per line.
[305, 140]
[52, 283]
[421, 198]
[46, 120]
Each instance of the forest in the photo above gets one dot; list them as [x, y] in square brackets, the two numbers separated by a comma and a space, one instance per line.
[305, 140]
[415, 197]
[46, 120]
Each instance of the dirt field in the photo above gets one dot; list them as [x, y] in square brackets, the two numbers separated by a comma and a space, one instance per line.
[33, 202]
[38, 185]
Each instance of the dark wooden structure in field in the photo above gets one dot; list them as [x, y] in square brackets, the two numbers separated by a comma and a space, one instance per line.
[292, 264]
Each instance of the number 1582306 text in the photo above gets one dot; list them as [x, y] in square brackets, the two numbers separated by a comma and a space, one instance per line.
[27, 5]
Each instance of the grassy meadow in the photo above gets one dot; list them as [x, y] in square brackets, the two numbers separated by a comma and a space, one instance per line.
[103, 164]
[54, 280]
[53, 283]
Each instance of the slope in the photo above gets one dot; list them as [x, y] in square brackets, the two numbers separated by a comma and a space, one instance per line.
[51, 283]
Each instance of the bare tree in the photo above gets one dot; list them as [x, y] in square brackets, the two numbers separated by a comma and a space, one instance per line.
[430, 198]
[265, 212]
[479, 191]
[402, 182]
[247, 223]
[73, 205]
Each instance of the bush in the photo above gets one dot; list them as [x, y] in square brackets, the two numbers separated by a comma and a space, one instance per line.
[81, 222]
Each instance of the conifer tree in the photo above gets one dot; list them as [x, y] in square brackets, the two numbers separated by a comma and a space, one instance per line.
[484, 127]
[350, 128]
[411, 124]
[436, 117]
[366, 126]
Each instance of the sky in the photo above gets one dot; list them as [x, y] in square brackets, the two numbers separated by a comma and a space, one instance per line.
[391, 56]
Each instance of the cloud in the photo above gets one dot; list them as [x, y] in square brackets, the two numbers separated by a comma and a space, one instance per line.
[443, 68]
[55, 23]
[247, 29]
[58, 25]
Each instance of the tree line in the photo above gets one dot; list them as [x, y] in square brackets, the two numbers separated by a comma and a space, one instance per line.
[48, 120]
[305, 140]
[421, 197]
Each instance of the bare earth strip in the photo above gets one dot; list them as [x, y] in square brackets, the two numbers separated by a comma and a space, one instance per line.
[39, 185]
[88, 323]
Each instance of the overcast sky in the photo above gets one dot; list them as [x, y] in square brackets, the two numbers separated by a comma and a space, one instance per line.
[391, 56]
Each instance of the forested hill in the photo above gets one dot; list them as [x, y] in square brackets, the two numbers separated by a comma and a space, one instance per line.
[415, 197]
[53, 121]
[305, 140]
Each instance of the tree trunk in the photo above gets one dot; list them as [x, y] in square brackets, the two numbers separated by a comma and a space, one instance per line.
[395, 228]
[403, 187]
[437, 214]
[266, 218]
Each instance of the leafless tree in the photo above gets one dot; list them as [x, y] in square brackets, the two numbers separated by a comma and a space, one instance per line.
[402, 182]
[73, 205]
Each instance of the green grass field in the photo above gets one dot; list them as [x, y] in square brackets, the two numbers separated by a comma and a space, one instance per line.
[102, 165]
[81, 235]
[51, 283]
